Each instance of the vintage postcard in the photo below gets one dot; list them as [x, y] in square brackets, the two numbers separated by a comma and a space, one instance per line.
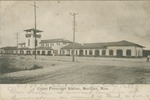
[75, 49]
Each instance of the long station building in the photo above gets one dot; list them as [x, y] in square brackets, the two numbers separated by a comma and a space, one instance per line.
[63, 47]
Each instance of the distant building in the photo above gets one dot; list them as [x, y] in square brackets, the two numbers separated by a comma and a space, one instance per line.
[44, 47]
[111, 49]
[63, 47]
[146, 53]
[55, 44]
[8, 50]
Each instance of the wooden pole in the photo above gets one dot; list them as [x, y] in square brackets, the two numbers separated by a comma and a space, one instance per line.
[73, 48]
[35, 27]
[17, 44]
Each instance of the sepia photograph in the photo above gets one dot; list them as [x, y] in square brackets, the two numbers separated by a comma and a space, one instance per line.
[75, 42]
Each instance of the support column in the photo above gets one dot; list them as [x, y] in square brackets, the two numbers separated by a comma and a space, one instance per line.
[25, 52]
[78, 51]
[65, 52]
[18, 51]
[59, 52]
[100, 52]
[46, 52]
[107, 52]
[40, 52]
[70, 52]
[93, 52]
[88, 52]
[52, 52]
[83, 52]
[115, 52]
[124, 52]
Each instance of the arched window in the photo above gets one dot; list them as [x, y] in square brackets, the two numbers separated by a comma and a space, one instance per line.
[22, 52]
[85, 52]
[43, 52]
[103, 52]
[128, 52]
[76, 52]
[119, 53]
[33, 52]
[68, 51]
[90, 52]
[49, 52]
[80, 52]
[28, 52]
[72, 52]
[110, 52]
[38, 52]
[96, 52]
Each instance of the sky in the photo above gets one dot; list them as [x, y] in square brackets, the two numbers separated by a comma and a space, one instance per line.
[97, 21]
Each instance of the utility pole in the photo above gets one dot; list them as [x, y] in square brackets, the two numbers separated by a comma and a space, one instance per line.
[35, 26]
[17, 44]
[74, 30]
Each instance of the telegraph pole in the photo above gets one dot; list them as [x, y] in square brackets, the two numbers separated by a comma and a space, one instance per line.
[35, 27]
[17, 43]
[74, 28]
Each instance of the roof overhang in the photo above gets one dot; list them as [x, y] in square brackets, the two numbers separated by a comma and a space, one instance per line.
[29, 30]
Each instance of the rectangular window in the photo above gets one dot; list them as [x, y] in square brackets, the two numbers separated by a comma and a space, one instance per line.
[28, 42]
[52, 44]
[65, 43]
[47, 44]
[58, 44]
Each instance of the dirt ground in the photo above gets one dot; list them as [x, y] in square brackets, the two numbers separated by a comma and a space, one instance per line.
[85, 70]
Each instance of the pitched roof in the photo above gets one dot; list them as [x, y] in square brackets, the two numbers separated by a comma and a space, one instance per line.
[44, 48]
[122, 43]
[29, 30]
[56, 40]
[102, 45]
[38, 48]
[24, 48]
[84, 46]
[21, 43]
[9, 48]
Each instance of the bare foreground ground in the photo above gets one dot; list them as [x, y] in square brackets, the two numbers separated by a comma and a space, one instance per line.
[85, 70]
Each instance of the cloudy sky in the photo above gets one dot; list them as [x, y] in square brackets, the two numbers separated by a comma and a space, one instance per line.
[97, 21]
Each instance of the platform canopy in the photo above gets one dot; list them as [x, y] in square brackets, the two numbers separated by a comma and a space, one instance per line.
[29, 30]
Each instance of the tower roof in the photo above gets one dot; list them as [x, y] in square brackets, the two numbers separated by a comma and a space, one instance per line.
[29, 30]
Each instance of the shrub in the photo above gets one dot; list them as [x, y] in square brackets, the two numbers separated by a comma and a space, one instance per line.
[53, 64]
[8, 65]
[35, 67]
[5, 65]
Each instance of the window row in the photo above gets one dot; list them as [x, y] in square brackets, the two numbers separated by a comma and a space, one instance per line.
[50, 44]
[119, 52]
[38, 52]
